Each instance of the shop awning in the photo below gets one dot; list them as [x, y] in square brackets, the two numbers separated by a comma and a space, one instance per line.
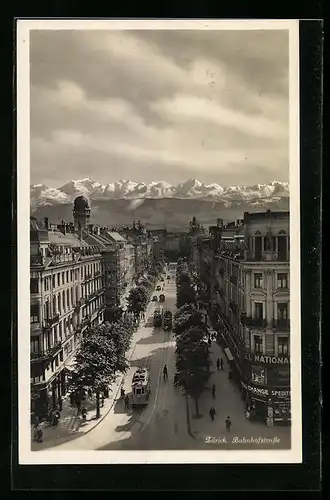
[229, 354]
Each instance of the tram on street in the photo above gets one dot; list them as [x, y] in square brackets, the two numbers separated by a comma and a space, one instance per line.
[158, 317]
[167, 320]
[140, 387]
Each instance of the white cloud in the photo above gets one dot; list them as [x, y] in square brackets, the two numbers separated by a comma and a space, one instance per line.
[202, 116]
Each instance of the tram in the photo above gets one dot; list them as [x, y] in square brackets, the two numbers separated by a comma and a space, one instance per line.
[140, 387]
[167, 320]
[158, 317]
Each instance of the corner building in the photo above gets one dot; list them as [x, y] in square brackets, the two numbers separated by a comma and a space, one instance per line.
[251, 297]
[66, 300]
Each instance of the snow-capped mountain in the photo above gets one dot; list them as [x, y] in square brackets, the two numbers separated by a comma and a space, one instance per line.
[42, 195]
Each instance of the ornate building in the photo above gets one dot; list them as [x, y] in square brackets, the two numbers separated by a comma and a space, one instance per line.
[249, 278]
[66, 299]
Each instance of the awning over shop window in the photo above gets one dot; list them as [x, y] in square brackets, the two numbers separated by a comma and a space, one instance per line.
[229, 354]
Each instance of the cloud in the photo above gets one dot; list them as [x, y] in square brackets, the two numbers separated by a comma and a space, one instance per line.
[159, 105]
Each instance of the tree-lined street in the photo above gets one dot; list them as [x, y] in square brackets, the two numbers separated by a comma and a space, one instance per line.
[177, 416]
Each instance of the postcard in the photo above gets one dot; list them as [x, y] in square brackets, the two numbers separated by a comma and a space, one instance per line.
[158, 241]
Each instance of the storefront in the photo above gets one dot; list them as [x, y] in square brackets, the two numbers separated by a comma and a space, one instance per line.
[270, 405]
[266, 384]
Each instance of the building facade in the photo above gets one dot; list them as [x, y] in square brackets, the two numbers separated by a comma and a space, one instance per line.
[249, 281]
[66, 299]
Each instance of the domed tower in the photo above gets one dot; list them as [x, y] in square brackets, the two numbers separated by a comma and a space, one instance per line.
[81, 212]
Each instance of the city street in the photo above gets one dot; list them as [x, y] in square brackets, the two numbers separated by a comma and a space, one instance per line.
[168, 421]
[163, 423]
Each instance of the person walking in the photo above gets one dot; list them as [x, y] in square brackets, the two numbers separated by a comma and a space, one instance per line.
[212, 413]
[165, 374]
[213, 391]
[221, 364]
[126, 401]
[122, 392]
[228, 424]
[218, 364]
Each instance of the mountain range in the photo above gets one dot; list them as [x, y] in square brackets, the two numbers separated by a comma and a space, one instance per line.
[158, 202]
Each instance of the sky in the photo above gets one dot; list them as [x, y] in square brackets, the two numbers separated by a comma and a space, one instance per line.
[159, 105]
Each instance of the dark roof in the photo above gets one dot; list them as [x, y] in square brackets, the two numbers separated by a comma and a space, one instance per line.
[81, 203]
[283, 214]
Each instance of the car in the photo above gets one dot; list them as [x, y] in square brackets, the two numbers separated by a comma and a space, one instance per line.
[162, 279]
[162, 298]
[158, 288]
[168, 277]
[155, 298]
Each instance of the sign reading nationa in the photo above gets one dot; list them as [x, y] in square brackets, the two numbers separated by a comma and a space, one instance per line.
[274, 360]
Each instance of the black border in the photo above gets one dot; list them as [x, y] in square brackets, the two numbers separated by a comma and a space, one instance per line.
[305, 477]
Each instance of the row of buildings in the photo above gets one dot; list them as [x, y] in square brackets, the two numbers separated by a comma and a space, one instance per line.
[80, 276]
[244, 272]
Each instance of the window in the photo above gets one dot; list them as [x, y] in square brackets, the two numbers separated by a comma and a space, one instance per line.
[59, 303]
[283, 346]
[71, 275]
[282, 311]
[282, 280]
[259, 310]
[72, 301]
[58, 279]
[63, 278]
[54, 281]
[82, 272]
[258, 343]
[46, 284]
[63, 300]
[257, 280]
[35, 345]
[34, 287]
[34, 313]
[68, 298]
[67, 276]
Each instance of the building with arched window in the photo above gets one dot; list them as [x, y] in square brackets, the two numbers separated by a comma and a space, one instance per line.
[66, 298]
[249, 282]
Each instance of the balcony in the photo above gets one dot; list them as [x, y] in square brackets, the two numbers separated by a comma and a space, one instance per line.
[255, 322]
[233, 306]
[233, 279]
[281, 324]
[49, 322]
[47, 354]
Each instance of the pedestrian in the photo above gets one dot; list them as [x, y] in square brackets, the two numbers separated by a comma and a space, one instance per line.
[122, 392]
[60, 404]
[39, 434]
[228, 424]
[126, 401]
[221, 364]
[212, 413]
[102, 400]
[218, 364]
[213, 391]
[165, 374]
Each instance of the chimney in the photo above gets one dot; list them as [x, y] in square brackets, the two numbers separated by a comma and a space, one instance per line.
[46, 222]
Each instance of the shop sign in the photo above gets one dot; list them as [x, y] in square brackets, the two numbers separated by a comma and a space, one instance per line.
[262, 391]
[274, 360]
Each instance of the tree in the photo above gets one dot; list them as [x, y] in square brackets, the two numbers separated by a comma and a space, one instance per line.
[137, 300]
[187, 317]
[192, 362]
[185, 289]
[120, 333]
[95, 366]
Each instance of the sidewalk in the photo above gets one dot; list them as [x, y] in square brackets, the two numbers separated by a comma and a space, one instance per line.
[228, 402]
